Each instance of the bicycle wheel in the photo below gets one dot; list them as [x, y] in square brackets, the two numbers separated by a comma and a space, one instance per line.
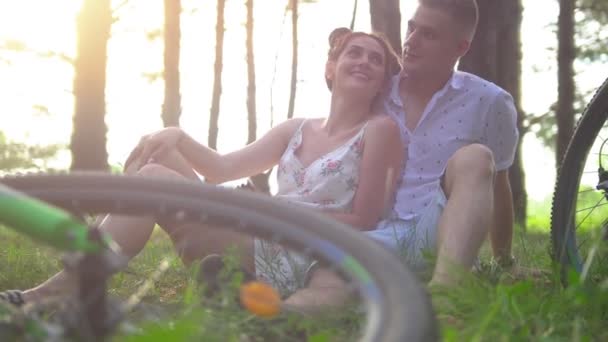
[397, 306]
[579, 214]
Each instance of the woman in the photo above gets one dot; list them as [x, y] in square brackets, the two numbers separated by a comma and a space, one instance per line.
[343, 164]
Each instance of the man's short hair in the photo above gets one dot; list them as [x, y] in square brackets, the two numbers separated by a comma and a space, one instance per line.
[464, 12]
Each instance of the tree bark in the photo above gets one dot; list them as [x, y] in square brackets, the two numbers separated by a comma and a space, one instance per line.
[386, 19]
[259, 181]
[566, 53]
[354, 16]
[251, 91]
[495, 55]
[294, 57]
[88, 141]
[509, 62]
[172, 109]
[217, 75]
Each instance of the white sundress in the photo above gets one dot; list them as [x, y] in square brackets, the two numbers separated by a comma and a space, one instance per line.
[329, 183]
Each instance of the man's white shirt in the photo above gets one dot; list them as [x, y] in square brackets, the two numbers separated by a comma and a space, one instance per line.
[465, 111]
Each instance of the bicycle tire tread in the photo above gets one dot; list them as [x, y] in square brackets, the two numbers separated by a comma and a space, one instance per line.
[571, 168]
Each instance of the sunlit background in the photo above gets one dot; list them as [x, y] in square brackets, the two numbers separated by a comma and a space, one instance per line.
[35, 86]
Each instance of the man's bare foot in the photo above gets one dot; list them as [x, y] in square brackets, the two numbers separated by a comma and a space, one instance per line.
[518, 272]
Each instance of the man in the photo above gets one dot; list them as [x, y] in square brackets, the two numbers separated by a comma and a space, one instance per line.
[461, 136]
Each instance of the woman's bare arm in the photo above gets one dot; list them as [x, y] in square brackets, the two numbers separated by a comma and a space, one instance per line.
[252, 159]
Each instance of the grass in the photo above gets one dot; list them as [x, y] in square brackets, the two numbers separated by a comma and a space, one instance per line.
[491, 305]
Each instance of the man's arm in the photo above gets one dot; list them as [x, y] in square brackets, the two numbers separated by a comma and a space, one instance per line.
[501, 232]
[502, 138]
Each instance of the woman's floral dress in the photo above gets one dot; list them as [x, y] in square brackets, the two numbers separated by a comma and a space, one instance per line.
[328, 183]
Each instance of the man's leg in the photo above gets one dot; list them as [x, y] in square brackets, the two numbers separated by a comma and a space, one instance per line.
[466, 219]
[324, 290]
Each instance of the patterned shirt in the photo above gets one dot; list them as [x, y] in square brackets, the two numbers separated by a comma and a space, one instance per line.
[465, 111]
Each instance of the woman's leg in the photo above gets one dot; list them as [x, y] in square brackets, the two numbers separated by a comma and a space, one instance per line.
[132, 233]
[195, 241]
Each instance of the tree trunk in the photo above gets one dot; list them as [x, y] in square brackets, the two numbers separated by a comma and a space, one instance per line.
[509, 77]
[481, 59]
[217, 75]
[294, 57]
[88, 142]
[566, 53]
[354, 16]
[171, 110]
[495, 55]
[386, 19]
[251, 104]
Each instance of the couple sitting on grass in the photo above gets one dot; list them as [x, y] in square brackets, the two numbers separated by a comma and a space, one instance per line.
[413, 154]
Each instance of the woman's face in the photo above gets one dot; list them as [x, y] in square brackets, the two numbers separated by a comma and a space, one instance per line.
[360, 68]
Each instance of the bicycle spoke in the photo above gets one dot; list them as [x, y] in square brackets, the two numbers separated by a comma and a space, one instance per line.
[597, 205]
[587, 191]
[583, 242]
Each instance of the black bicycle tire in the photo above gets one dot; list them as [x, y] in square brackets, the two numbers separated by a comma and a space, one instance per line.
[402, 310]
[563, 237]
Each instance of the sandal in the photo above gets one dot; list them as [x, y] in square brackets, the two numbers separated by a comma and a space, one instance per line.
[13, 297]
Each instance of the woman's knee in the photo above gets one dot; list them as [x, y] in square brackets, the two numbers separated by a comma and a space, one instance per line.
[157, 170]
[174, 160]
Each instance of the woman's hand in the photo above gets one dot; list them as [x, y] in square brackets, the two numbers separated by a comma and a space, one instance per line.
[154, 146]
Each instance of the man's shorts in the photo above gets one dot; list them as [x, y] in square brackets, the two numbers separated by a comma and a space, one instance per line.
[414, 240]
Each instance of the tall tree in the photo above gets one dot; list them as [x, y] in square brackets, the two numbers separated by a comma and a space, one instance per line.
[251, 103]
[354, 16]
[294, 57]
[88, 143]
[386, 19]
[217, 75]
[566, 53]
[495, 55]
[172, 109]
[259, 181]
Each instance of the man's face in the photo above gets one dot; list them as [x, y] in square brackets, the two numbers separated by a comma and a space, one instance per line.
[433, 43]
